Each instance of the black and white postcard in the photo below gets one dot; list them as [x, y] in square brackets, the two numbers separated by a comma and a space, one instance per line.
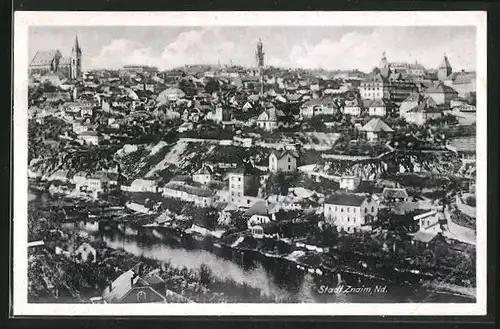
[246, 163]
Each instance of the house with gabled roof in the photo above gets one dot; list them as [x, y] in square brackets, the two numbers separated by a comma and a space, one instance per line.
[376, 129]
[377, 107]
[268, 119]
[425, 110]
[352, 107]
[441, 93]
[134, 286]
[320, 106]
[350, 212]
[283, 161]
[203, 175]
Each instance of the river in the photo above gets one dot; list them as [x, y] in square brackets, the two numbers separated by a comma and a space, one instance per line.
[274, 276]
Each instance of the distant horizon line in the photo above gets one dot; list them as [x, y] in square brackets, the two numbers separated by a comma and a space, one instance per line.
[212, 65]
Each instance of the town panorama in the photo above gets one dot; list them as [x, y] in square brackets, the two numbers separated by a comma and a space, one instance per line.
[225, 183]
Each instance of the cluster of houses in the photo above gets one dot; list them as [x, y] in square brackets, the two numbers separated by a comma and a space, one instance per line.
[102, 103]
[115, 100]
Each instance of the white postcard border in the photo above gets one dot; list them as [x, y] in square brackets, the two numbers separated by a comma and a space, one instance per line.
[22, 20]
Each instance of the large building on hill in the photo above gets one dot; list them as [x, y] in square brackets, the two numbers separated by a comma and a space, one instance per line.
[416, 70]
[53, 62]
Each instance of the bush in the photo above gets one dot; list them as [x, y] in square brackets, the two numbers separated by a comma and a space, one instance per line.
[470, 201]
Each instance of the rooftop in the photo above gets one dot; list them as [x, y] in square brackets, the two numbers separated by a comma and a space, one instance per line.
[376, 125]
[440, 88]
[394, 193]
[202, 192]
[424, 237]
[43, 58]
[345, 199]
[281, 154]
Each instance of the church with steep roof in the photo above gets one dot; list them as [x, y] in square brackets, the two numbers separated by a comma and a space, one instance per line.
[53, 62]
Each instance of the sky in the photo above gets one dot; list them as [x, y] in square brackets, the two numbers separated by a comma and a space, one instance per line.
[326, 47]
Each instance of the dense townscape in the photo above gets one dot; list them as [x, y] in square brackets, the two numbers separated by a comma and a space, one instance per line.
[322, 178]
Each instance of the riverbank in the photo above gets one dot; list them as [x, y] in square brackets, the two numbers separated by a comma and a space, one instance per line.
[324, 267]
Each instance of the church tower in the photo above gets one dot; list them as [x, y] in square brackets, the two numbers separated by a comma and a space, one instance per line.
[383, 61]
[444, 69]
[259, 58]
[76, 60]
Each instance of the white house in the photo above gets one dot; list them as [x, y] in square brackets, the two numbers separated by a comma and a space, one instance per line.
[376, 129]
[350, 212]
[200, 196]
[203, 176]
[422, 113]
[284, 161]
[429, 222]
[86, 252]
[258, 220]
[349, 182]
[377, 108]
[268, 119]
[96, 183]
[142, 185]
[90, 137]
[321, 106]
[352, 107]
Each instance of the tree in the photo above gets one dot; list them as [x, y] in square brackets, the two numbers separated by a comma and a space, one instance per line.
[277, 184]
[206, 276]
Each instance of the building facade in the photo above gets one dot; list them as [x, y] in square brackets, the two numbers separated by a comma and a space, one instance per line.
[350, 212]
[285, 161]
[375, 86]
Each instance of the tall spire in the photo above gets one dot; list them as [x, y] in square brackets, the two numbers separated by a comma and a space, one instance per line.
[76, 47]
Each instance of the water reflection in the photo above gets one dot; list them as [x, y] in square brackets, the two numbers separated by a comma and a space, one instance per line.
[274, 276]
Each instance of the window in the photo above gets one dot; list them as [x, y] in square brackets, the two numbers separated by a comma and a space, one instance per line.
[289, 167]
[348, 209]
[366, 210]
[373, 208]
[335, 208]
[289, 160]
[341, 209]
[348, 219]
[239, 179]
